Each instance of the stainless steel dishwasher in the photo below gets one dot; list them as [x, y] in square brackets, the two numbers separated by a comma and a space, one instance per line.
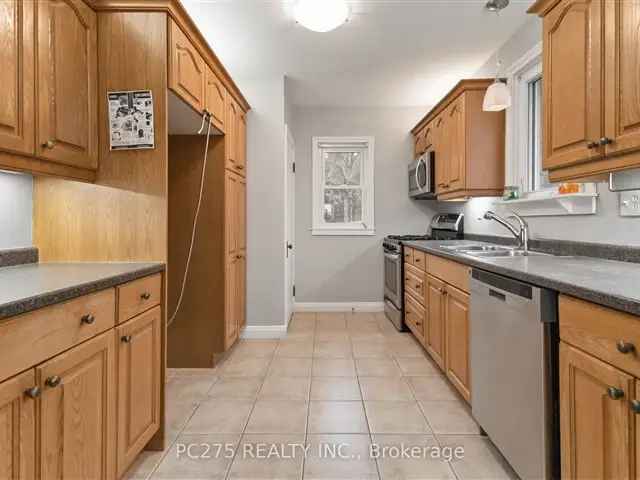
[514, 371]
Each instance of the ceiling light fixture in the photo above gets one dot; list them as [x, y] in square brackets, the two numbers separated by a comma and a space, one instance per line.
[496, 5]
[321, 15]
[498, 96]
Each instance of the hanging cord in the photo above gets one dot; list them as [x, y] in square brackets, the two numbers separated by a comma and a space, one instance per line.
[205, 117]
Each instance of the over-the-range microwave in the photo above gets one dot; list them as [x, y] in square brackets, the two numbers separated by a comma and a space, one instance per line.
[422, 180]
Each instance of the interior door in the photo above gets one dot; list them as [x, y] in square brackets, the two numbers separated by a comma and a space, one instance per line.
[622, 102]
[17, 427]
[290, 206]
[77, 412]
[458, 365]
[17, 116]
[572, 65]
[67, 83]
[435, 304]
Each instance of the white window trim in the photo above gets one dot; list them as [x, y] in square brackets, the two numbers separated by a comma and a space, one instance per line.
[367, 226]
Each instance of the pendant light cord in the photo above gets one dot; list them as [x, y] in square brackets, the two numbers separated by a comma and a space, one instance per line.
[205, 118]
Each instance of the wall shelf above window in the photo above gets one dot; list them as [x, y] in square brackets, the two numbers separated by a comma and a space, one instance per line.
[552, 205]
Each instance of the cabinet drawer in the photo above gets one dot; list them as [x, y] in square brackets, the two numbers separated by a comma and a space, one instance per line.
[453, 273]
[138, 296]
[414, 283]
[419, 260]
[29, 339]
[601, 332]
[414, 317]
[408, 255]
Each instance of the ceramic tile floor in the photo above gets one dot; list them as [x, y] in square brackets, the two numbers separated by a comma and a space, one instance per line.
[337, 384]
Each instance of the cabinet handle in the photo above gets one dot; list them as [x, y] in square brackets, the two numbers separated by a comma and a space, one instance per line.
[615, 393]
[53, 381]
[33, 392]
[49, 144]
[605, 141]
[145, 296]
[635, 406]
[418, 287]
[442, 290]
[625, 347]
[238, 257]
[88, 319]
[126, 339]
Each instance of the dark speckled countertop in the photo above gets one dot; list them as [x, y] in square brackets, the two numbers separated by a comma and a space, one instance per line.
[606, 282]
[24, 288]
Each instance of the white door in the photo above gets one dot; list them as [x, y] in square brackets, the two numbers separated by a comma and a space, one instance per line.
[290, 207]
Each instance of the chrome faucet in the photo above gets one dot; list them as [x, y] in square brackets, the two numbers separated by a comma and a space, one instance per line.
[521, 235]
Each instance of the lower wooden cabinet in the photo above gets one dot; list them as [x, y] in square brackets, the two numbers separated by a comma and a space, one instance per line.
[18, 427]
[77, 412]
[435, 301]
[457, 362]
[414, 316]
[596, 421]
[139, 378]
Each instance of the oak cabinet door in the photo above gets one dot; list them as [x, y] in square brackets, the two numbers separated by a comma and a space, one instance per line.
[17, 427]
[435, 333]
[595, 422]
[186, 69]
[231, 300]
[458, 367]
[139, 377]
[441, 145]
[231, 134]
[67, 83]
[242, 143]
[414, 317]
[241, 257]
[622, 77]
[17, 57]
[241, 296]
[231, 198]
[572, 85]
[77, 412]
[456, 142]
[215, 99]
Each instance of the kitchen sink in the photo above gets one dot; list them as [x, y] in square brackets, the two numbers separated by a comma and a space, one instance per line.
[505, 253]
[475, 248]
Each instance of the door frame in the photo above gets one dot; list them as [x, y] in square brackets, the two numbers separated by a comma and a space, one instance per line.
[289, 223]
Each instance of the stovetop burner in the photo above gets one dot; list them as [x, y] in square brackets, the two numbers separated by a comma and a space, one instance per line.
[408, 237]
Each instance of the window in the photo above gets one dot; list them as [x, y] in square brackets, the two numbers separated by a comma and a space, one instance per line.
[343, 196]
[538, 179]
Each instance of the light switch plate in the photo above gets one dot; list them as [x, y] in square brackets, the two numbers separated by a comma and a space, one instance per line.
[630, 203]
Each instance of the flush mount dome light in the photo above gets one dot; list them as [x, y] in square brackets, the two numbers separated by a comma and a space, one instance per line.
[321, 15]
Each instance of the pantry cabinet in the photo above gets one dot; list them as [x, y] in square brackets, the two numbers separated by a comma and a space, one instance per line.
[215, 100]
[187, 70]
[468, 143]
[77, 412]
[18, 426]
[591, 100]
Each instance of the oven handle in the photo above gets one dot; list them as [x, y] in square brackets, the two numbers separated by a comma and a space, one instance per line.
[421, 159]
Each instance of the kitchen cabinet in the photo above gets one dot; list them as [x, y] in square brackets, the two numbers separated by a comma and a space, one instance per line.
[457, 361]
[18, 426]
[215, 99]
[414, 315]
[590, 49]
[468, 143]
[77, 411]
[436, 313]
[139, 377]
[17, 76]
[242, 143]
[187, 69]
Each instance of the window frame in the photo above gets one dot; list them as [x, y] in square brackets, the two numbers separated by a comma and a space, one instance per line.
[366, 227]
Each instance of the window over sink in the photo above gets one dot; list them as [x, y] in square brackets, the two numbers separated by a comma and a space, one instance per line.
[343, 186]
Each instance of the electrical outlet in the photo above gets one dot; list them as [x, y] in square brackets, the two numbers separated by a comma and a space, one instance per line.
[630, 204]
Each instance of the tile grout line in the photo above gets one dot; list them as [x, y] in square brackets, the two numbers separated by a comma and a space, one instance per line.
[306, 427]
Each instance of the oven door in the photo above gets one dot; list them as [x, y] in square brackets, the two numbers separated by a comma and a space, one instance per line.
[421, 177]
[393, 278]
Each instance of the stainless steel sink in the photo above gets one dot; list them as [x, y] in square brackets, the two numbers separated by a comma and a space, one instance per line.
[490, 251]
[475, 248]
[505, 253]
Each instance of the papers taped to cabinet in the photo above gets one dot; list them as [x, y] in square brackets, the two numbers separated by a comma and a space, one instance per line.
[131, 120]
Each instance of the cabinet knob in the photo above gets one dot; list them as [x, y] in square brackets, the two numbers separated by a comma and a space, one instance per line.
[33, 392]
[615, 393]
[605, 141]
[88, 319]
[442, 290]
[49, 144]
[145, 296]
[418, 286]
[53, 381]
[592, 145]
[240, 167]
[635, 406]
[126, 339]
[625, 347]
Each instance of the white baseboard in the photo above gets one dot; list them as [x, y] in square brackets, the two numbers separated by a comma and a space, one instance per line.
[340, 307]
[267, 332]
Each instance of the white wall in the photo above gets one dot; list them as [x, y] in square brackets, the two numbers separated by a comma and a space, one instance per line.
[604, 227]
[16, 210]
[350, 269]
[265, 200]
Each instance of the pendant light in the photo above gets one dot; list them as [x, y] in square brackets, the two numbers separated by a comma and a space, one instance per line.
[498, 96]
[321, 15]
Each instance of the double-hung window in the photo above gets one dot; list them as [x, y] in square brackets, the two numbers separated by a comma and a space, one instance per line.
[343, 186]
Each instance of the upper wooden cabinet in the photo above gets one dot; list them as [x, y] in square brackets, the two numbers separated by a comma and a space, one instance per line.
[236, 138]
[591, 86]
[215, 99]
[17, 128]
[187, 70]
[468, 143]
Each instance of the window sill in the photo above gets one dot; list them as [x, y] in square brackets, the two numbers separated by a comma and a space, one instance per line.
[341, 233]
[553, 205]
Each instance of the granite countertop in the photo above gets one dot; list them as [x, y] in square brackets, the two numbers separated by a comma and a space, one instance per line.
[24, 288]
[606, 282]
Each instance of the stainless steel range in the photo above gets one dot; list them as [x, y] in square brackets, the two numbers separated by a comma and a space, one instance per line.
[446, 226]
